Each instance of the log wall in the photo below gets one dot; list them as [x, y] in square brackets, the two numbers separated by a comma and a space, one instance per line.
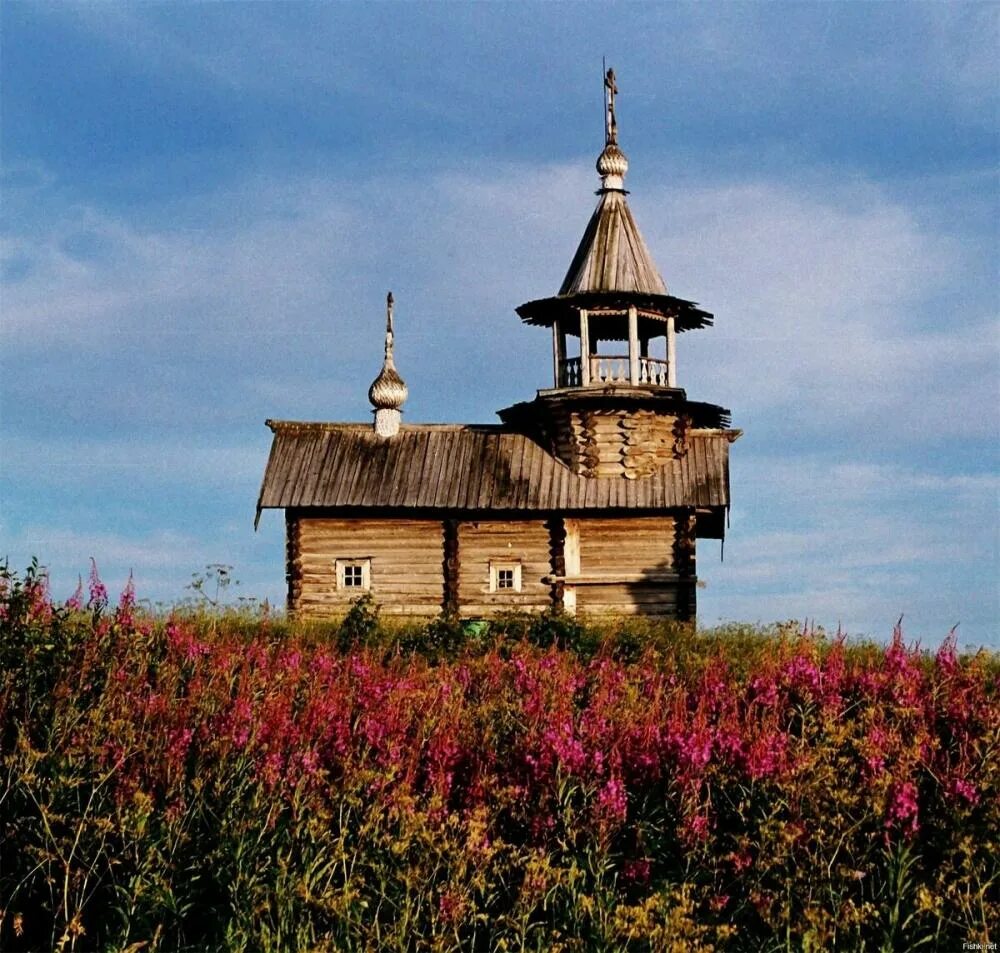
[481, 542]
[596, 566]
[407, 572]
[639, 551]
[618, 443]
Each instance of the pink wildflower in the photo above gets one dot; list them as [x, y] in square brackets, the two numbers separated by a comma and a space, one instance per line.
[636, 871]
[959, 787]
[694, 829]
[126, 603]
[450, 906]
[613, 801]
[947, 658]
[719, 902]
[903, 808]
[98, 591]
[875, 759]
[741, 861]
[75, 601]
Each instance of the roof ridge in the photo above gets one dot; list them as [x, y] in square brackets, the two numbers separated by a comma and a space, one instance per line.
[330, 425]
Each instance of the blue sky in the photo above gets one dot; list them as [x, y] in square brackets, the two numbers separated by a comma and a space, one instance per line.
[204, 206]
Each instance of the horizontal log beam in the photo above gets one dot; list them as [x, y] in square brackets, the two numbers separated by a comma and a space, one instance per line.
[598, 579]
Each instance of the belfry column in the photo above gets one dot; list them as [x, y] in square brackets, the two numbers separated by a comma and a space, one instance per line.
[633, 346]
[558, 352]
[671, 353]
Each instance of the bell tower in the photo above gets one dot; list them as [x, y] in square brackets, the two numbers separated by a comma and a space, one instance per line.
[615, 409]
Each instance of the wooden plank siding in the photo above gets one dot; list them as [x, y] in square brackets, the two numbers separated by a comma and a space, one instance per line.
[407, 572]
[524, 541]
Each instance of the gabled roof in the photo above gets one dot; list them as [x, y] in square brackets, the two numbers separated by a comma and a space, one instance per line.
[612, 255]
[470, 469]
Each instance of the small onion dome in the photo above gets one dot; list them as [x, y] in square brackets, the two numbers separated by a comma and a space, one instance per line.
[388, 392]
[612, 162]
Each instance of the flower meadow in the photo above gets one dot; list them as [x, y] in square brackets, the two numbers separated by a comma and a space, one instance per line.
[229, 781]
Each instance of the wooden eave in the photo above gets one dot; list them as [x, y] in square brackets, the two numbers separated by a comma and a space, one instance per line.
[545, 311]
[708, 419]
[469, 468]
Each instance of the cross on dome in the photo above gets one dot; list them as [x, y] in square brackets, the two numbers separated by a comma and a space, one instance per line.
[611, 163]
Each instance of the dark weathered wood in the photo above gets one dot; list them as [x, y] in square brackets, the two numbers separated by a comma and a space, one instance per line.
[557, 561]
[452, 567]
[292, 562]
[684, 563]
[612, 255]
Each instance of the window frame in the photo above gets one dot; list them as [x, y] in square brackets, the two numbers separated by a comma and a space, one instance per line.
[342, 565]
[511, 565]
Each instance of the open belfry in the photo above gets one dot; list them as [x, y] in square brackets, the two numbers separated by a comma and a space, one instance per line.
[589, 498]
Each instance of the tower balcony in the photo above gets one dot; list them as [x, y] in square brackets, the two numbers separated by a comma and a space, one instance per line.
[604, 369]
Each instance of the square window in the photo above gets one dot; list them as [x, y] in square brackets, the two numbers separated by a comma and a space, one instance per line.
[354, 574]
[505, 576]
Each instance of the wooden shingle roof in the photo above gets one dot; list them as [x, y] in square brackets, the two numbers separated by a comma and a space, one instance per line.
[612, 255]
[470, 468]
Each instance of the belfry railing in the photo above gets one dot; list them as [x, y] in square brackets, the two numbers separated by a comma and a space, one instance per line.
[654, 371]
[570, 372]
[613, 369]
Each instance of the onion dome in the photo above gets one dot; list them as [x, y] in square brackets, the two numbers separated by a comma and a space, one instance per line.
[388, 392]
[612, 164]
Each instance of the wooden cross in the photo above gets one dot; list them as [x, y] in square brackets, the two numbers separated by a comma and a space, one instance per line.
[388, 328]
[610, 123]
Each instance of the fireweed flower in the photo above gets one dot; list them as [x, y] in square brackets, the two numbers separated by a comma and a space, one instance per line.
[902, 808]
[965, 790]
[75, 601]
[98, 591]
[636, 871]
[465, 762]
[612, 801]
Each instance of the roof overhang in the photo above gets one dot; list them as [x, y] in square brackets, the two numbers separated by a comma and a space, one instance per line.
[546, 311]
[465, 469]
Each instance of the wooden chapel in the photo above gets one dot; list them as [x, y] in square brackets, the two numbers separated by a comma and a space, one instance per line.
[589, 498]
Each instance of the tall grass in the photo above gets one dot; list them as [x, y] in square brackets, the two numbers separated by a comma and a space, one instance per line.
[212, 781]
